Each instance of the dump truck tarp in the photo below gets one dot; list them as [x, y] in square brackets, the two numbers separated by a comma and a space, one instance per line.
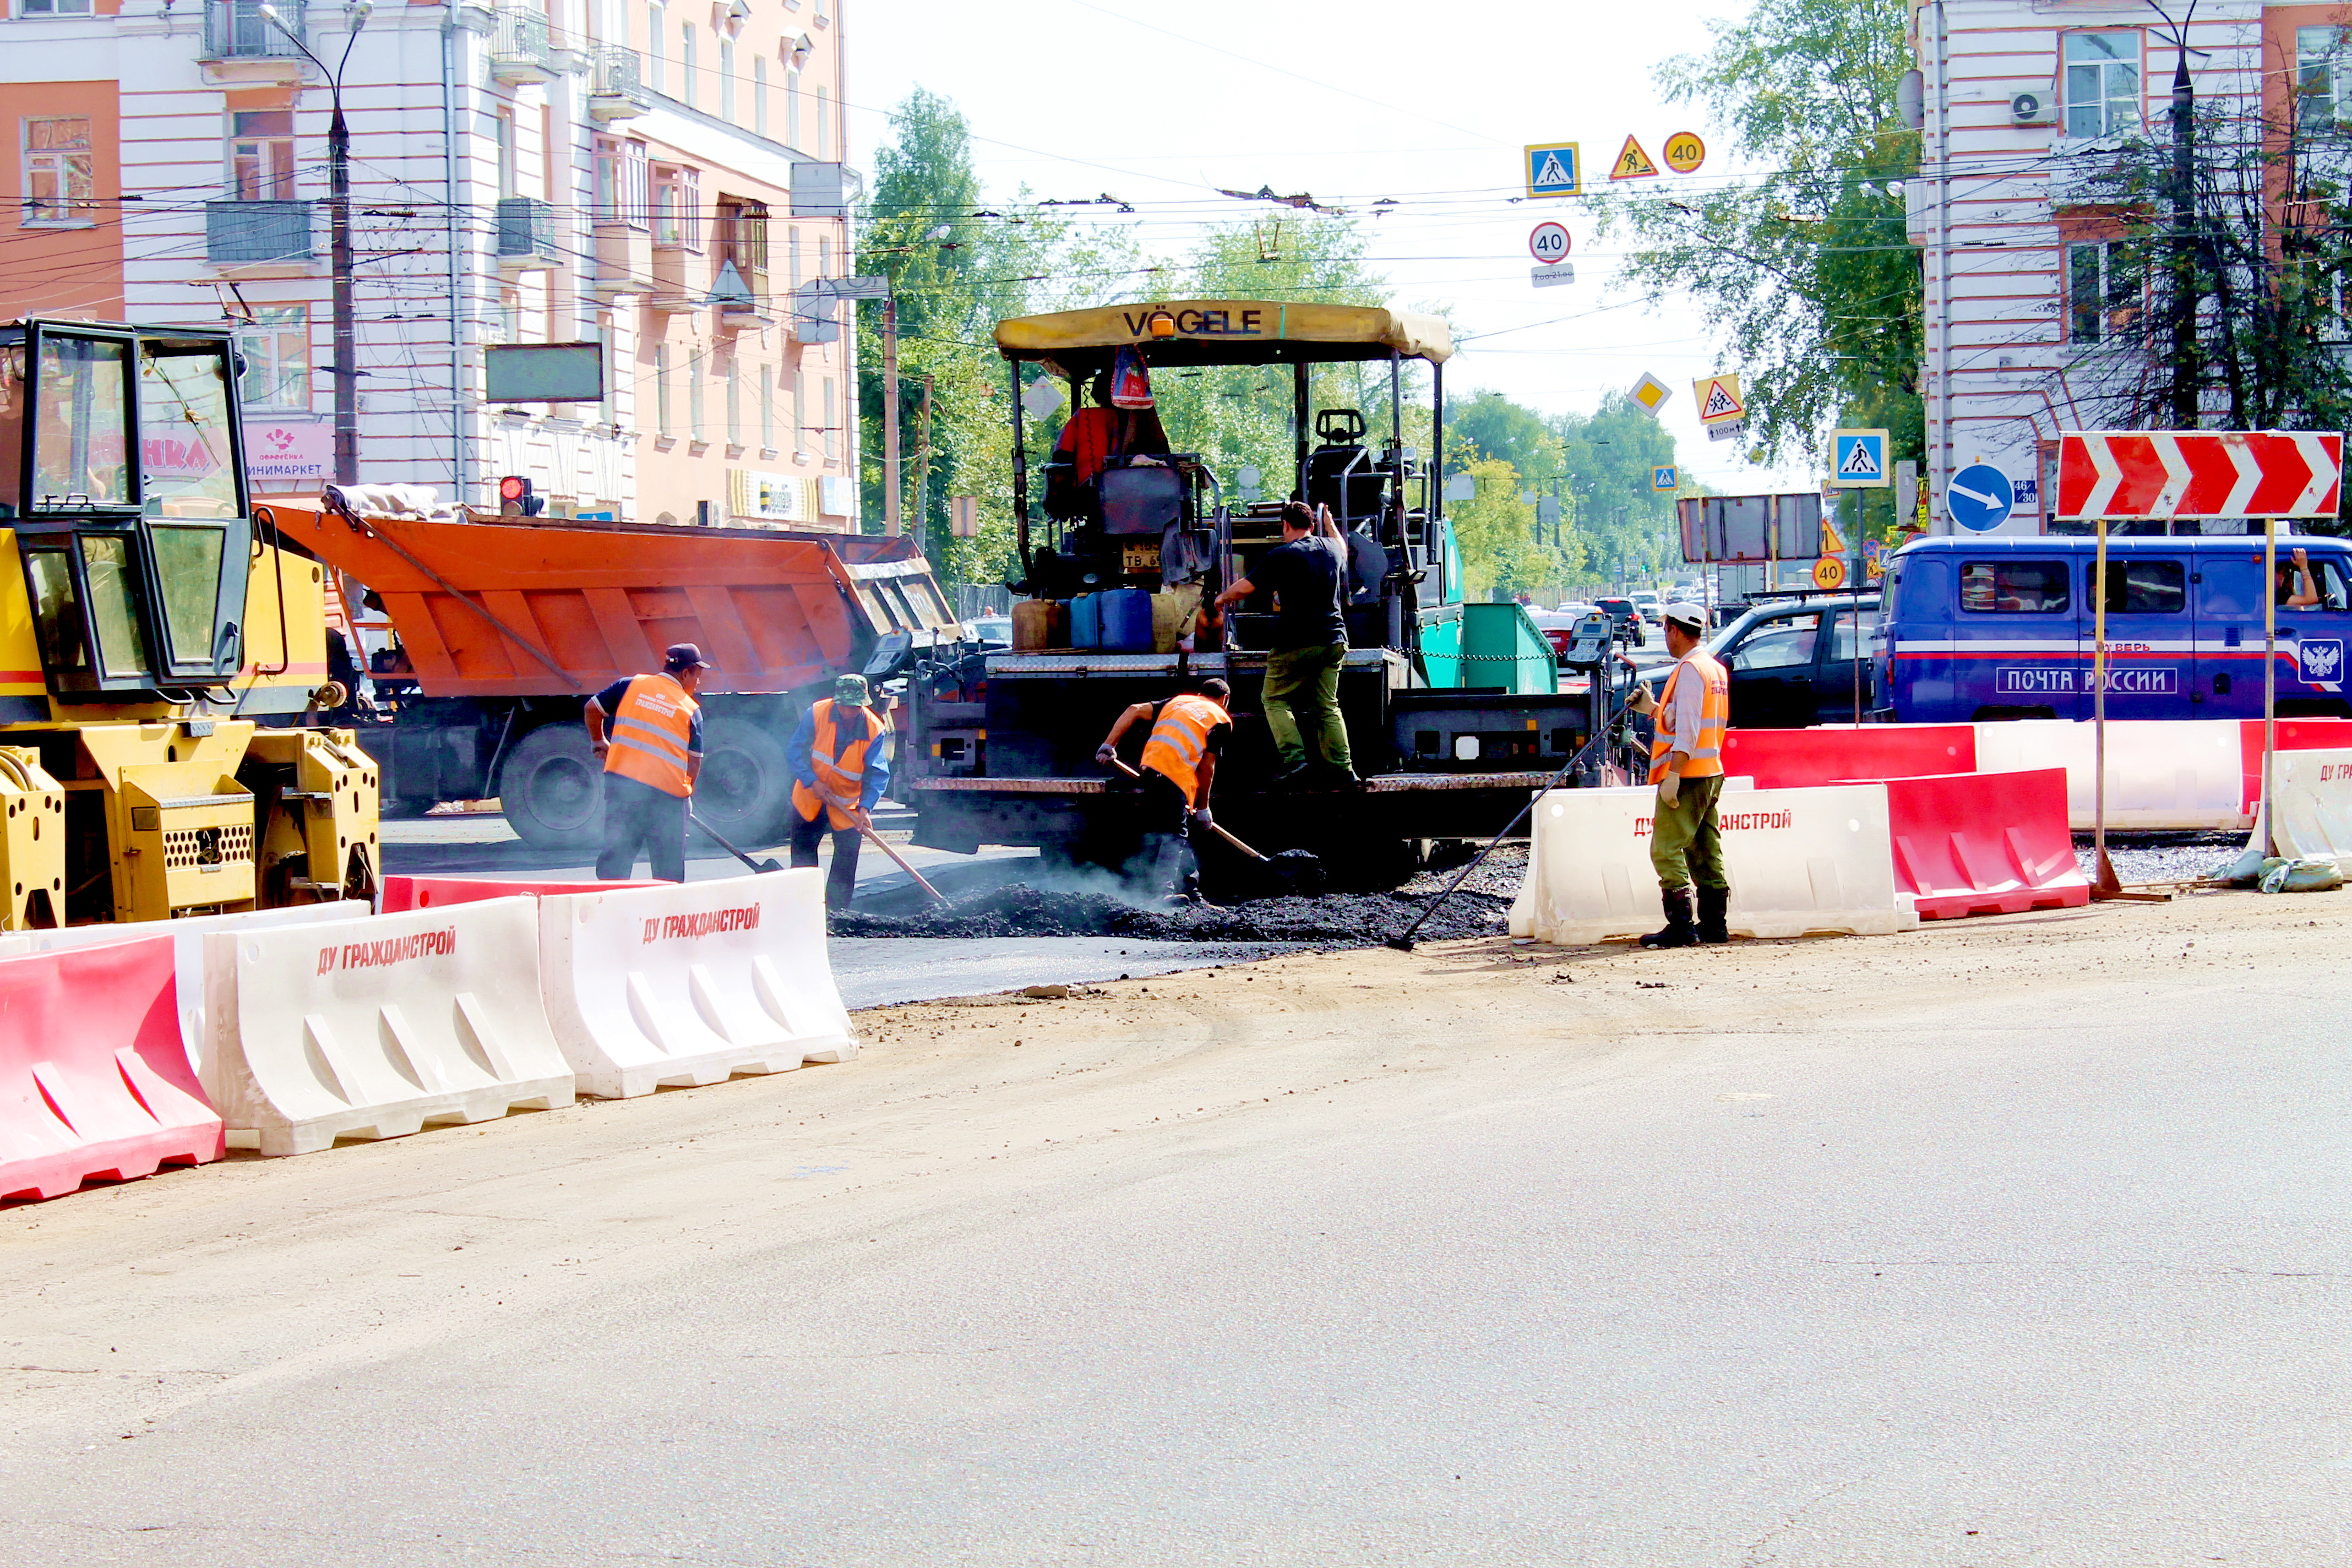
[1226, 331]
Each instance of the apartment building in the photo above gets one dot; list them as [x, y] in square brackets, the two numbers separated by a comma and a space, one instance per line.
[2034, 290]
[653, 179]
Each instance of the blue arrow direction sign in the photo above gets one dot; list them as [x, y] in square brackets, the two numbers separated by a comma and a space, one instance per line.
[1553, 169]
[1665, 477]
[1979, 497]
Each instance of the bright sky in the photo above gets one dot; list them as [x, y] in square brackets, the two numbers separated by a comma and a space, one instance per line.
[1353, 100]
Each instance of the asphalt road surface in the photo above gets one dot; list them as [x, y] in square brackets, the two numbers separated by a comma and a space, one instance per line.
[2014, 1242]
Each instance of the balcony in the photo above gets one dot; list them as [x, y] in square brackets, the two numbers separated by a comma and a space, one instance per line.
[236, 30]
[522, 47]
[526, 232]
[625, 262]
[253, 234]
[617, 88]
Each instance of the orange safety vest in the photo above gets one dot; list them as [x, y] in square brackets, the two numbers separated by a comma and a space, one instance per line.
[1181, 739]
[843, 777]
[650, 734]
[1704, 758]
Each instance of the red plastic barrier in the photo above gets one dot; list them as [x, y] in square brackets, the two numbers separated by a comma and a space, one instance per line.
[2293, 735]
[1797, 759]
[404, 893]
[1984, 844]
[94, 1083]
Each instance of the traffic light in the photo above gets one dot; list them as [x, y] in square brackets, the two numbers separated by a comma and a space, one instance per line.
[515, 498]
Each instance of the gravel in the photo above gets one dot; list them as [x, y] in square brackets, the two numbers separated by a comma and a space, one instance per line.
[1331, 921]
[2161, 857]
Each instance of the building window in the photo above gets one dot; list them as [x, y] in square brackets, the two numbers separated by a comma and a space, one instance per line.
[2104, 284]
[791, 106]
[824, 127]
[760, 94]
[661, 389]
[2321, 55]
[2102, 83]
[830, 452]
[740, 236]
[734, 404]
[506, 132]
[727, 81]
[694, 397]
[824, 255]
[677, 206]
[792, 257]
[276, 346]
[767, 408]
[688, 63]
[656, 50]
[624, 183]
[60, 182]
[53, 7]
[609, 409]
[261, 155]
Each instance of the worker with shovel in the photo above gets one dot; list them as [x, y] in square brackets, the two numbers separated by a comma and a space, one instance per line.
[1179, 763]
[1686, 764]
[647, 730]
[840, 768]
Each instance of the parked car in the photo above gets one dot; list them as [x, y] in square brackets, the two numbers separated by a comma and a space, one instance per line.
[991, 631]
[1786, 674]
[1631, 625]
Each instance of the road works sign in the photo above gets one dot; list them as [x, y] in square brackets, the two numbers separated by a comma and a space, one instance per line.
[1554, 170]
[2198, 473]
[1858, 459]
[1632, 164]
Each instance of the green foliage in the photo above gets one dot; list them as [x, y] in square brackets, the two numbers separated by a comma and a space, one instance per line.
[1502, 544]
[1806, 273]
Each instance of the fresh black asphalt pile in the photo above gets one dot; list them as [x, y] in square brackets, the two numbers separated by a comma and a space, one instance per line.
[1332, 919]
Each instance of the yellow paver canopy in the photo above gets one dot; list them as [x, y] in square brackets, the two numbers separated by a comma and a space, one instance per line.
[1224, 332]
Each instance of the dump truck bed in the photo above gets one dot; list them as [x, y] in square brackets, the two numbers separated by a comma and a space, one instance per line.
[519, 608]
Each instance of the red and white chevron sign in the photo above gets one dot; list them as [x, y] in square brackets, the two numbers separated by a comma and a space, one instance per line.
[2198, 473]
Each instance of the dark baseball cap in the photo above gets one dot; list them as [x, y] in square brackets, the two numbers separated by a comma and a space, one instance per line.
[685, 656]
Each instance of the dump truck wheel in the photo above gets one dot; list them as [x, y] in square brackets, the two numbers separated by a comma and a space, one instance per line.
[552, 789]
[746, 785]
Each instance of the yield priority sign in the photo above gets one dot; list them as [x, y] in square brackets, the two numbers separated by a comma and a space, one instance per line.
[1858, 459]
[1554, 168]
[1665, 476]
[1650, 393]
[1632, 164]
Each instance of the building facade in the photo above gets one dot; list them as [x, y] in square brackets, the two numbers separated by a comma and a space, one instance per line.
[2036, 294]
[654, 180]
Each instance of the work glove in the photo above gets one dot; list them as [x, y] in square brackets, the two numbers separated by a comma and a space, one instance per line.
[1106, 753]
[1201, 818]
[1670, 788]
[1641, 701]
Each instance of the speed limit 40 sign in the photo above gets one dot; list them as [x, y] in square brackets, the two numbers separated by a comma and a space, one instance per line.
[1549, 243]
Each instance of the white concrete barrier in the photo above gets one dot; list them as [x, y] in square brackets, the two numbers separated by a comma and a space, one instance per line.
[2315, 806]
[379, 1026]
[2162, 773]
[1798, 861]
[677, 985]
[187, 936]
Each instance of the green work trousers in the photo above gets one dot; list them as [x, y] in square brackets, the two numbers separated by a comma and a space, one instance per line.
[1686, 842]
[1302, 704]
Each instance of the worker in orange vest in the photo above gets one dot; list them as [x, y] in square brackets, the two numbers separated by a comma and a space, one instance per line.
[841, 765]
[1178, 765]
[648, 730]
[1686, 764]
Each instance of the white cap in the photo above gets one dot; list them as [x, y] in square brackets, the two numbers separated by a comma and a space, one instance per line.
[1684, 613]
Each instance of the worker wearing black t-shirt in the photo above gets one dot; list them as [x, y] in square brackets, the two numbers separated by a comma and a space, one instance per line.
[1305, 574]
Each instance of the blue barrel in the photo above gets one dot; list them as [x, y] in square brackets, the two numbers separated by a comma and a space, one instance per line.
[1127, 621]
[1086, 621]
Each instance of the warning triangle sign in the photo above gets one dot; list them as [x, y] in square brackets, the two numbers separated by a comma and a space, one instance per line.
[1553, 173]
[1718, 401]
[1861, 459]
[1632, 164]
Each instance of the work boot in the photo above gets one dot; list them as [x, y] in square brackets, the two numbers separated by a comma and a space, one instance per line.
[1712, 902]
[1679, 932]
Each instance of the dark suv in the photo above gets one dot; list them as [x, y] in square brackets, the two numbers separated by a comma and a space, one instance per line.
[1786, 674]
[1626, 616]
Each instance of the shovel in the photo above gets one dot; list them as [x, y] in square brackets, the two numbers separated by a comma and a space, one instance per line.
[883, 845]
[1289, 865]
[770, 864]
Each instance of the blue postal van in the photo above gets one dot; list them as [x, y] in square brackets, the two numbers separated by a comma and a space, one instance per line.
[1974, 630]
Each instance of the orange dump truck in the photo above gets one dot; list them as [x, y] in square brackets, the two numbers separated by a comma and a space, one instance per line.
[500, 630]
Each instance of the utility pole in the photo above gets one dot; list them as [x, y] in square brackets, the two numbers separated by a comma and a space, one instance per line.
[346, 369]
[891, 415]
[923, 472]
[2185, 369]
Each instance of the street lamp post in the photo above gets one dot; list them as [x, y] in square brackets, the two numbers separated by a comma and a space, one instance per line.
[338, 212]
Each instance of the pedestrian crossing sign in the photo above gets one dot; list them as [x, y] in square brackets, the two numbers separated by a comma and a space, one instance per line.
[1663, 476]
[1858, 459]
[1632, 164]
[1554, 168]
[1718, 400]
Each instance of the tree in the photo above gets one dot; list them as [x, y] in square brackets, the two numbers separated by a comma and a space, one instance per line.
[1502, 545]
[1609, 456]
[1807, 272]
